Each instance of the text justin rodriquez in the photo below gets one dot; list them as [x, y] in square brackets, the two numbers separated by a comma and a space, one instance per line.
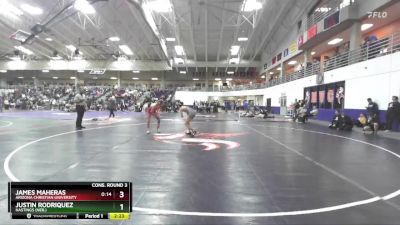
[41, 206]
[43, 195]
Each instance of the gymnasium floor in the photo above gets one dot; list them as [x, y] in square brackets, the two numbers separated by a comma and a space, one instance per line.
[250, 172]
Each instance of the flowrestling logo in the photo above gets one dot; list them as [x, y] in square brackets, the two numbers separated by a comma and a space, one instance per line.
[210, 141]
[377, 15]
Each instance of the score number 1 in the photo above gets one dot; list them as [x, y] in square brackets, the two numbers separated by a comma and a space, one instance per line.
[121, 195]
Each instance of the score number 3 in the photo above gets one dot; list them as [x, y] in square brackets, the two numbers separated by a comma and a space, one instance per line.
[121, 195]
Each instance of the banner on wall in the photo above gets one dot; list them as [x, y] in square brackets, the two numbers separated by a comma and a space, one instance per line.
[331, 20]
[292, 47]
[279, 57]
[312, 31]
[340, 94]
[322, 96]
[300, 41]
[285, 52]
[314, 97]
[273, 60]
[265, 66]
[330, 96]
[307, 98]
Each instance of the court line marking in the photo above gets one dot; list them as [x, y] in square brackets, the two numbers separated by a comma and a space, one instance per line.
[9, 123]
[10, 155]
[386, 197]
[333, 172]
[214, 214]
[272, 214]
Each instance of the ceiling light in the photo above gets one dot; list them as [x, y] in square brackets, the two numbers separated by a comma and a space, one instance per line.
[217, 79]
[243, 39]
[20, 77]
[126, 49]
[94, 78]
[135, 78]
[45, 71]
[263, 76]
[312, 53]
[228, 79]
[114, 39]
[55, 78]
[15, 58]
[16, 64]
[179, 50]
[71, 48]
[170, 39]
[3, 71]
[182, 72]
[271, 72]
[154, 78]
[251, 5]
[335, 41]
[235, 49]
[178, 60]
[84, 6]
[366, 26]
[9, 9]
[162, 6]
[293, 62]
[31, 9]
[48, 39]
[136, 71]
[81, 71]
[24, 50]
[113, 78]
[72, 78]
[195, 78]
[33, 77]
[56, 57]
[323, 9]
[230, 72]
[279, 69]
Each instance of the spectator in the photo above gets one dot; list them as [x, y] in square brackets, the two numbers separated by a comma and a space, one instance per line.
[347, 123]
[362, 120]
[1, 103]
[80, 108]
[393, 113]
[336, 122]
[111, 106]
[302, 114]
[6, 104]
[373, 116]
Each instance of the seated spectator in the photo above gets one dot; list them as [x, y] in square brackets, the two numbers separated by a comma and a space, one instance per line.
[302, 113]
[347, 123]
[393, 113]
[314, 111]
[336, 122]
[361, 121]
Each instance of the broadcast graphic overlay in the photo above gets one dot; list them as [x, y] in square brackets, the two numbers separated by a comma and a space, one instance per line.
[70, 200]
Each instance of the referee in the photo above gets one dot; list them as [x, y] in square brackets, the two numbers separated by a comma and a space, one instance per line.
[80, 108]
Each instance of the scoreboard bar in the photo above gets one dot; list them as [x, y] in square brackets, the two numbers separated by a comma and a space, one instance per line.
[90, 216]
[70, 200]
